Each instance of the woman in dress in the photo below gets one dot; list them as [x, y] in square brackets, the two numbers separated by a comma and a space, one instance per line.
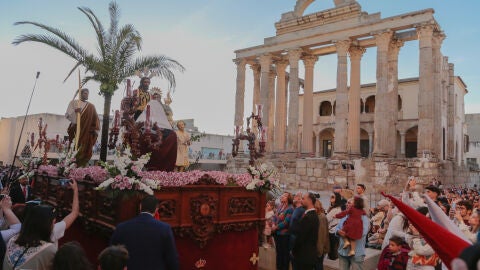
[32, 248]
[183, 141]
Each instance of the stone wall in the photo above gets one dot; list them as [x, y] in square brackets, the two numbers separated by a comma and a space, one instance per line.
[388, 175]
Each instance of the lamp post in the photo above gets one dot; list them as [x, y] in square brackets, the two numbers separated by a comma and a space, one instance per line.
[251, 137]
[347, 165]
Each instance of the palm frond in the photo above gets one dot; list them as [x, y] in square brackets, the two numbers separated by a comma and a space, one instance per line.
[161, 65]
[72, 70]
[63, 36]
[97, 26]
[114, 16]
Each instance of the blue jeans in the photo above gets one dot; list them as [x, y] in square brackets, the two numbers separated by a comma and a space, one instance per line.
[352, 262]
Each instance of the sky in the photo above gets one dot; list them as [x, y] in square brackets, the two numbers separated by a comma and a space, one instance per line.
[202, 36]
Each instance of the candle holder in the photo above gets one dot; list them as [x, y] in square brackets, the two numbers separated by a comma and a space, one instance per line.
[114, 131]
[251, 137]
[44, 142]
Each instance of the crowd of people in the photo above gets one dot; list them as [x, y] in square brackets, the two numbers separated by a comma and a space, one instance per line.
[303, 232]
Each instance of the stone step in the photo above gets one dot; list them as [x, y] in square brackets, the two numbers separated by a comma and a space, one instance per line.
[267, 260]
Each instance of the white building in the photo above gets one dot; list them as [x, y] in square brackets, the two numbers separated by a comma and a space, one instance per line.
[472, 156]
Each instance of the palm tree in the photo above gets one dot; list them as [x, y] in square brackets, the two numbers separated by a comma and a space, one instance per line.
[114, 61]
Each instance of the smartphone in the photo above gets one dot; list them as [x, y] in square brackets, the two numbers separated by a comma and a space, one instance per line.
[63, 182]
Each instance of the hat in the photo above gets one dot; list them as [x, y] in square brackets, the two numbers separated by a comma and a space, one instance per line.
[439, 217]
[383, 203]
[446, 244]
[337, 187]
[435, 189]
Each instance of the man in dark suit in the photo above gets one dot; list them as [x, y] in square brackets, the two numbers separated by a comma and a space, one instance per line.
[305, 248]
[149, 242]
[20, 191]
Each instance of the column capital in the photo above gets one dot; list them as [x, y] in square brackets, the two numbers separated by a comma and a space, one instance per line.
[437, 39]
[255, 67]
[342, 46]
[293, 56]
[356, 52]
[394, 46]
[281, 65]
[382, 39]
[265, 61]
[240, 62]
[425, 29]
[310, 60]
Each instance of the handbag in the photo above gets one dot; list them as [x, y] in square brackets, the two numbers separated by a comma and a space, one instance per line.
[334, 243]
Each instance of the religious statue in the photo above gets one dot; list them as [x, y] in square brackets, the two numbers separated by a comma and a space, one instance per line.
[183, 141]
[147, 127]
[83, 118]
[143, 96]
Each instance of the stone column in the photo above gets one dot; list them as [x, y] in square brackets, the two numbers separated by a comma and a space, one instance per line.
[402, 144]
[256, 93]
[341, 110]
[307, 127]
[370, 143]
[317, 142]
[265, 63]
[391, 97]
[292, 132]
[425, 92]
[240, 93]
[271, 109]
[356, 54]
[256, 86]
[437, 40]
[380, 123]
[451, 113]
[281, 113]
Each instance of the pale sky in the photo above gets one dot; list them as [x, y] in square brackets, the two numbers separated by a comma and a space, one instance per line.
[202, 36]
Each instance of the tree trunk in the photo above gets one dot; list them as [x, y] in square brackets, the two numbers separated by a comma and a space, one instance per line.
[105, 125]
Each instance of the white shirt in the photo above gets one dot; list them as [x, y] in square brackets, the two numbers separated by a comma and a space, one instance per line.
[58, 232]
[70, 114]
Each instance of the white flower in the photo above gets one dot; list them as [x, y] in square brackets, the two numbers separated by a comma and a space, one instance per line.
[252, 185]
[105, 184]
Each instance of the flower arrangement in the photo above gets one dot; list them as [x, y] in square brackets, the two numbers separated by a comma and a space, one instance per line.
[97, 173]
[66, 161]
[125, 174]
[175, 179]
[264, 177]
[30, 164]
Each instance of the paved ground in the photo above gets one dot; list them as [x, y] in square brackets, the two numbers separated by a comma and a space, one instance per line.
[267, 260]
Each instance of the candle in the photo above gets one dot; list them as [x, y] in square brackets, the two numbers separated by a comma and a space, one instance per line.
[129, 88]
[116, 120]
[263, 137]
[147, 119]
[259, 110]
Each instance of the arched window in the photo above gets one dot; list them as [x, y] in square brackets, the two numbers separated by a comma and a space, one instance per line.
[370, 104]
[399, 103]
[325, 108]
